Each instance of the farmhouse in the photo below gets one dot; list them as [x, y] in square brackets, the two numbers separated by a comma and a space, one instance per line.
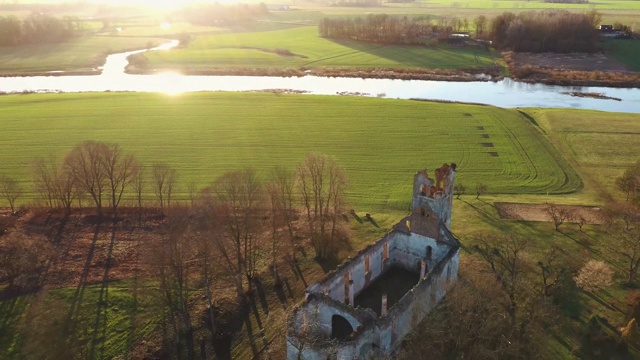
[372, 301]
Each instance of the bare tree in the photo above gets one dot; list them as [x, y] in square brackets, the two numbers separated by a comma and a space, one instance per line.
[43, 179]
[120, 170]
[481, 24]
[629, 181]
[164, 180]
[282, 190]
[624, 228]
[10, 190]
[172, 259]
[56, 184]
[138, 185]
[550, 271]
[23, 258]
[322, 183]
[505, 257]
[66, 189]
[240, 199]
[193, 191]
[594, 275]
[558, 214]
[86, 164]
[481, 189]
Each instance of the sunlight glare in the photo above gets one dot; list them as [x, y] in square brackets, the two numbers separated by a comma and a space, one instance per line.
[170, 77]
[165, 26]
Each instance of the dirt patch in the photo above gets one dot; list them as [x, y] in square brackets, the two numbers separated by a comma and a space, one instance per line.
[493, 154]
[540, 212]
[570, 61]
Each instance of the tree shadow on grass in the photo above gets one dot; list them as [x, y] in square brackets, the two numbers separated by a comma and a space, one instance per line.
[489, 218]
[102, 305]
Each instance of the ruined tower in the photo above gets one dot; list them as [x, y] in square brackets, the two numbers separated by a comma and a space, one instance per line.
[435, 195]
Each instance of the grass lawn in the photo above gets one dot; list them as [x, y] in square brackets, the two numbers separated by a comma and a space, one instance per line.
[107, 319]
[380, 142]
[248, 49]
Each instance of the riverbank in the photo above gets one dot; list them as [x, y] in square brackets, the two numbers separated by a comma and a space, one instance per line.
[472, 74]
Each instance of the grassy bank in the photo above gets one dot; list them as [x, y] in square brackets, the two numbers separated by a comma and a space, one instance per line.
[380, 142]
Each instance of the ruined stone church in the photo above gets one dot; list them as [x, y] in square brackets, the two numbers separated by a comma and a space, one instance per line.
[372, 301]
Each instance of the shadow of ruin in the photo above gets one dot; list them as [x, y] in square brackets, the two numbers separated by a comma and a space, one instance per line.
[372, 301]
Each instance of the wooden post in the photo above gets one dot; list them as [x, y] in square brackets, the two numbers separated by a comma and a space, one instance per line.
[423, 268]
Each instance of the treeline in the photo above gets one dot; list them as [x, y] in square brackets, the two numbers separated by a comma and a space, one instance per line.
[358, 3]
[546, 31]
[386, 29]
[37, 28]
[217, 14]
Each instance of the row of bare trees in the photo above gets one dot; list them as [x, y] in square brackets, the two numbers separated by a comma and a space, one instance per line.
[97, 172]
[387, 29]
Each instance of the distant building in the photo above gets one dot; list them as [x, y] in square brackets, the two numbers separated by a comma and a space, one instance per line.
[606, 28]
[371, 302]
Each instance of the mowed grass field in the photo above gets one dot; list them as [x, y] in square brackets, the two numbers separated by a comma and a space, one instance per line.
[257, 49]
[380, 142]
[599, 145]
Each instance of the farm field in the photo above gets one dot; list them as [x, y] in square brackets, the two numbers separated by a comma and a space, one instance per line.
[310, 50]
[592, 142]
[83, 54]
[625, 51]
[380, 142]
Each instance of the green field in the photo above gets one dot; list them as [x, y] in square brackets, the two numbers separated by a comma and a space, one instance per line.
[81, 54]
[625, 51]
[380, 142]
[599, 145]
[248, 49]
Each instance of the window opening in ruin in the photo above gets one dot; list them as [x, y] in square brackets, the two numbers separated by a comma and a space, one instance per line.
[429, 252]
[385, 252]
[423, 212]
[340, 328]
[366, 264]
[423, 190]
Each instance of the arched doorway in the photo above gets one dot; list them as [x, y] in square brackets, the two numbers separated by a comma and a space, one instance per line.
[340, 328]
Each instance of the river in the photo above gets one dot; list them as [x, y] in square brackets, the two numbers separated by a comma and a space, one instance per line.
[506, 93]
